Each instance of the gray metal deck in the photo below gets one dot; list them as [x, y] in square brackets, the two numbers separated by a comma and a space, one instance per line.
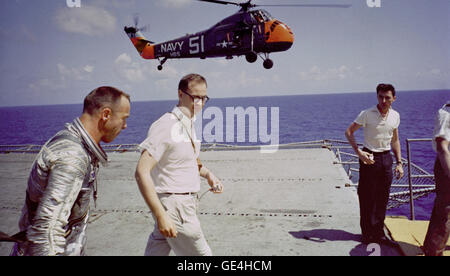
[292, 202]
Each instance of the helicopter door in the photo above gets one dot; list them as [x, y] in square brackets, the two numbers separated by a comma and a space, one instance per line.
[255, 31]
[257, 36]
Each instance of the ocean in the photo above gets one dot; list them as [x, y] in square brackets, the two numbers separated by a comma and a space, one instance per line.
[300, 118]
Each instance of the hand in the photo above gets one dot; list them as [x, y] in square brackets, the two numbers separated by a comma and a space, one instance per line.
[167, 227]
[399, 171]
[366, 158]
[214, 182]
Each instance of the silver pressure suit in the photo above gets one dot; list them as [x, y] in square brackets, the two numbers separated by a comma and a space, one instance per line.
[60, 184]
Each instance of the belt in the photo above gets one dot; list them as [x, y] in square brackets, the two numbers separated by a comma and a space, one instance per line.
[190, 193]
[376, 153]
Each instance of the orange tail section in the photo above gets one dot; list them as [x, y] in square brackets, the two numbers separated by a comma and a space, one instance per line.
[144, 47]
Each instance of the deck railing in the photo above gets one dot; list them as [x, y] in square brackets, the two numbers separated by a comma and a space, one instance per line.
[415, 183]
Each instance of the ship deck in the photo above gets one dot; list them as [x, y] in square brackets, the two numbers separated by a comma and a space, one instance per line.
[291, 202]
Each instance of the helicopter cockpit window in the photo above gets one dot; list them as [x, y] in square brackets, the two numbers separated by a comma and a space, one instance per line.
[266, 15]
[257, 17]
[261, 16]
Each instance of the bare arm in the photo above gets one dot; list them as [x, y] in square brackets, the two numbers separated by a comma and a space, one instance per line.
[147, 188]
[443, 155]
[364, 156]
[398, 153]
[213, 181]
[396, 146]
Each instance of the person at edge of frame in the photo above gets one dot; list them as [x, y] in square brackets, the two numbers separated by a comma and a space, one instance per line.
[55, 215]
[439, 227]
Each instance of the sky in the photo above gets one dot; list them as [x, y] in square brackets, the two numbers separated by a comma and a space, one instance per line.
[51, 53]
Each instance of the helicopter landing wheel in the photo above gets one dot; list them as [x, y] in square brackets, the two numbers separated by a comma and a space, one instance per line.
[251, 57]
[161, 62]
[268, 63]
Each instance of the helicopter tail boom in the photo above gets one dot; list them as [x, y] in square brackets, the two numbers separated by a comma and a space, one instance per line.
[144, 47]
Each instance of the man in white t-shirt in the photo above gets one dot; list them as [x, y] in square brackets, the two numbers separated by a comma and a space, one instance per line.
[168, 175]
[380, 125]
[439, 227]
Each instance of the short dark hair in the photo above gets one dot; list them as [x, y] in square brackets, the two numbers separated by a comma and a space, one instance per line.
[384, 87]
[186, 80]
[101, 97]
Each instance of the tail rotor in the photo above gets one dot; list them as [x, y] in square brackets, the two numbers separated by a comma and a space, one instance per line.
[136, 24]
[143, 46]
[136, 30]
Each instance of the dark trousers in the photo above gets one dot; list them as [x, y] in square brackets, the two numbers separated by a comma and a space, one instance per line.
[439, 227]
[373, 192]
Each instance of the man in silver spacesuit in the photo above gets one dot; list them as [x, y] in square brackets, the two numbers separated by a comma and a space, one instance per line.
[56, 211]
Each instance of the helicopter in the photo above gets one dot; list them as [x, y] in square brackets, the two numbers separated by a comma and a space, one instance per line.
[250, 32]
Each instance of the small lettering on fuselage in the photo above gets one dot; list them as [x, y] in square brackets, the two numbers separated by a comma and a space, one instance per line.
[171, 47]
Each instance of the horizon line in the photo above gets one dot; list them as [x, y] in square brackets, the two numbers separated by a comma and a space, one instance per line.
[236, 97]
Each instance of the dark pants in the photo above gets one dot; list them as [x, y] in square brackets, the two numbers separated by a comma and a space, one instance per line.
[373, 192]
[439, 227]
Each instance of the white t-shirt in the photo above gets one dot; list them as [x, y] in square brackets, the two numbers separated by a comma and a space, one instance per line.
[169, 143]
[442, 125]
[378, 131]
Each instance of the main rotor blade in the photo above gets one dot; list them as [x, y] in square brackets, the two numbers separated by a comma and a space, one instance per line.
[246, 5]
[220, 2]
[308, 5]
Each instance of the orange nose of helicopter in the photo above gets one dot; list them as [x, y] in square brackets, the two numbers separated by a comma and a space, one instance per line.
[278, 36]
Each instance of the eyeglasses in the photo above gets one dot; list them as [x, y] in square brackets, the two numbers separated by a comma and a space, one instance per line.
[195, 99]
